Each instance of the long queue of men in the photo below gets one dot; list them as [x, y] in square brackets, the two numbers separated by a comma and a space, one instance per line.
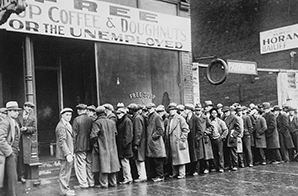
[139, 143]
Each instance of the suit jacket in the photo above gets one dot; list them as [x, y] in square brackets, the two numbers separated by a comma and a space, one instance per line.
[9, 137]
[65, 140]
[28, 137]
[272, 137]
[293, 124]
[234, 128]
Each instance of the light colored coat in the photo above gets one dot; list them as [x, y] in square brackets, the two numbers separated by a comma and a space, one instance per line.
[177, 131]
[65, 140]
[259, 132]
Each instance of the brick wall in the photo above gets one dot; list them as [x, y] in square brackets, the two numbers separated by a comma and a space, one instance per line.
[230, 30]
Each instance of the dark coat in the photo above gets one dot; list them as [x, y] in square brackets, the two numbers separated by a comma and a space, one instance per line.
[293, 124]
[104, 148]
[124, 137]
[64, 137]
[81, 127]
[282, 122]
[253, 122]
[177, 131]
[203, 142]
[260, 128]
[8, 141]
[272, 138]
[194, 126]
[28, 137]
[155, 132]
[234, 128]
[139, 136]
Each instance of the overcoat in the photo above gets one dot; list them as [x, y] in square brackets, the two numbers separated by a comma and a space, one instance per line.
[194, 126]
[203, 142]
[260, 128]
[124, 137]
[155, 132]
[104, 148]
[81, 128]
[282, 122]
[239, 137]
[177, 131]
[233, 125]
[139, 139]
[64, 138]
[272, 138]
[28, 136]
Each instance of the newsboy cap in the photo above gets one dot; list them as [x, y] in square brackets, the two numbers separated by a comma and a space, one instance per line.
[266, 105]
[91, 108]
[100, 109]
[30, 104]
[189, 106]
[226, 108]
[12, 105]
[121, 110]
[208, 103]
[133, 107]
[198, 107]
[65, 110]
[160, 108]
[109, 106]
[276, 108]
[81, 106]
[3, 110]
[172, 106]
[150, 105]
[219, 105]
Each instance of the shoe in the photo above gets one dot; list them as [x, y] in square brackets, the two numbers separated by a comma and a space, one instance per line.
[213, 170]
[206, 171]
[23, 180]
[263, 163]
[221, 171]
[195, 174]
[126, 182]
[80, 187]
[158, 179]
[69, 193]
[97, 186]
[250, 165]
[181, 177]
[140, 180]
[275, 162]
[173, 176]
[242, 165]
[234, 168]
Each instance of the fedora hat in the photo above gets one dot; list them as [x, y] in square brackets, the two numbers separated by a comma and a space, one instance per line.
[172, 106]
[91, 108]
[110, 107]
[266, 105]
[150, 105]
[276, 108]
[3, 110]
[160, 108]
[208, 103]
[189, 106]
[30, 104]
[180, 107]
[65, 110]
[198, 107]
[81, 106]
[226, 108]
[12, 105]
[121, 110]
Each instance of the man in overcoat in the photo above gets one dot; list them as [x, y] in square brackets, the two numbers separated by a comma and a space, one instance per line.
[104, 149]
[155, 149]
[246, 139]
[177, 132]
[139, 141]
[28, 129]
[82, 153]
[9, 147]
[65, 150]
[124, 143]
[293, 127]
[234, 128]
[272, 137]
[285, 138]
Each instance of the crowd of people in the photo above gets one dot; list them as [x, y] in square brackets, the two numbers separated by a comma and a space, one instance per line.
[140, 143]
[137, 143]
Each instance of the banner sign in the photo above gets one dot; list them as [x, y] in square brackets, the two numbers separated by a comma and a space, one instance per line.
[242, 67]
[100, 21]
[279, 39]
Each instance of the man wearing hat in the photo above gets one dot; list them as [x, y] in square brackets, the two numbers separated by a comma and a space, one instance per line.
[9, 146]
[104, 149]
[293, 128]
[91, 111]
[3, 113]
[155, 149]
[124, 143]
[109, 110]
[28, 128]
[272, 137]
[285, 138]
[208, 105]
[82, 155]
[139, 141]
[65, 150]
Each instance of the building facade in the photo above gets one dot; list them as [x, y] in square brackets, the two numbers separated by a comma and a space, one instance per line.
[61, 53]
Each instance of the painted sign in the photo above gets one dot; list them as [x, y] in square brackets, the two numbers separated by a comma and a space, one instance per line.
[100, 21]
[279, 39]
[7, 7]
[242, 67]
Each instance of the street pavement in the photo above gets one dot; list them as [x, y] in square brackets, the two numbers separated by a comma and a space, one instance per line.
[281, 179]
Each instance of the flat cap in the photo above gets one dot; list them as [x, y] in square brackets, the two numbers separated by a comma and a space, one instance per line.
[160, 108]
[291, 109]
[66, 110]
[180, 107]
[266, 105]
[121, 110]
[30, 104]
[110, 107]
[172, 106]
[81, 106]
[133, 106]
[189, 106]
[208, 103]
[150, 105]
[226, 108]
[219, 105]
[120, 105]
[100, 109]
[198, 107]
[276, 108]
[91, 108]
